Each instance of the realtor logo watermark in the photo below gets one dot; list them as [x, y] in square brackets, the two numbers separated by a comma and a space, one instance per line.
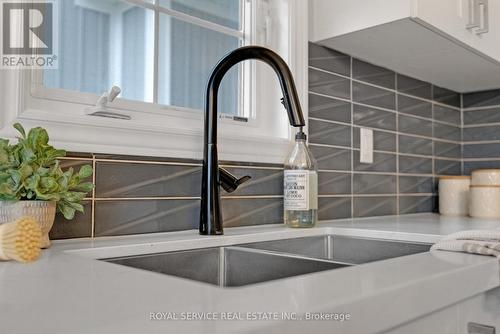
[29, 36]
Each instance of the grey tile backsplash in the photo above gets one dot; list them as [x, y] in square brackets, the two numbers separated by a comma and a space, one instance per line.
[135, 195]
[420, 130]
[481, 130]
[417, 136]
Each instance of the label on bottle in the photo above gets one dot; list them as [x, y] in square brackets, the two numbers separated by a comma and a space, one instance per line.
[300, 190]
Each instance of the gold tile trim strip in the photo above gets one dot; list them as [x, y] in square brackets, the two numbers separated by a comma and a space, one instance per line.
[180, 198]
[94, 177]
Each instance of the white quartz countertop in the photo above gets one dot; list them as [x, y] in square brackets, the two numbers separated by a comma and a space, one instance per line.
[69, 291]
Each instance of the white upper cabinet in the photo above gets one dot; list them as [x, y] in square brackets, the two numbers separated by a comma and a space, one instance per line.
[454, 44]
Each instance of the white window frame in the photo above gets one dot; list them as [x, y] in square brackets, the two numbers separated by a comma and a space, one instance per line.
[157, 130]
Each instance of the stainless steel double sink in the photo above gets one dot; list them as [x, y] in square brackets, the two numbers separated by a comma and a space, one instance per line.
[259, 262]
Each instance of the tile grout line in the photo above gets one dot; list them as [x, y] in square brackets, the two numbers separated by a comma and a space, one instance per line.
[93, 203]
[494, 106]
[462, 166]
[481, 125]
[396, 85]
[481, 142]
[376, 195]
[351, 94]
[146, 162]
[181, 198]
[433, 136]
[481, 159]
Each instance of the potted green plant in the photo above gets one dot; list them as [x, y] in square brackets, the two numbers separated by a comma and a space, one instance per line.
[32, 182]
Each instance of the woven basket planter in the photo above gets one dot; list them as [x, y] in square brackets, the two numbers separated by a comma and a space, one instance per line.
[42, 211]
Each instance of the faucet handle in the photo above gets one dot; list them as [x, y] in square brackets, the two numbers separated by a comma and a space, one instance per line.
[229, 182]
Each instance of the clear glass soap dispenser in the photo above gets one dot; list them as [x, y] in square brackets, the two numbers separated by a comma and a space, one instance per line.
[300, 185]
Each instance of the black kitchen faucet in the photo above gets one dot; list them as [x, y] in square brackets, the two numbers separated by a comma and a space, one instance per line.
[214, 176]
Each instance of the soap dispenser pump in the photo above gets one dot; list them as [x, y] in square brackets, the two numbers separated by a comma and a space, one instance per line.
[300, 185]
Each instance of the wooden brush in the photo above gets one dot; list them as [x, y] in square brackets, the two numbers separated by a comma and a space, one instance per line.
[20, 240]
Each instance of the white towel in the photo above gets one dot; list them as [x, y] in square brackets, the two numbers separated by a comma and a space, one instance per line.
[482, 242]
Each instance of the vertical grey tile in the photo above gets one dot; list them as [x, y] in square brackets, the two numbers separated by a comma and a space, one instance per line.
[416, 184]
[79, 227]
[409, 105]
[375, 118]
[382, 141]
[374, 96]
[482, 133]
[329, 84]
[334, 208]
[416, 126]
[447, 132]
[330, 183]
[145, 216]
[447, 115]
[482, 99]
[373, 74]
[120, 180]
[374, 206]
[415, 145]
[374, 184]
[330, 158]
[250, 211]
[416, 204]
[447, 167]
[328, 133]
[415, 165]
[329, 108]
[446, 96]
[329, 60]
[472, 117]
[382, 162]
[447, 150]
[414, 87]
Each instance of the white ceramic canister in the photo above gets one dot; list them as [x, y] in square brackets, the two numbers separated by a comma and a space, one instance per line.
[454, 195]
[485, 177]
[484, 201]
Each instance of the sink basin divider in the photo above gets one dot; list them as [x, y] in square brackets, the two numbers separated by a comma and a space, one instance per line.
[287, 255]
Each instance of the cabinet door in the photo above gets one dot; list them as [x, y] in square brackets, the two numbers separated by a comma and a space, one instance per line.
[489, 42]
[448, 16]
[483, 309]
[442, 322]
[452, 17]
[331, 18]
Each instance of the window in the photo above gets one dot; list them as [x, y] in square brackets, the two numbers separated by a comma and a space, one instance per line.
[160, 52]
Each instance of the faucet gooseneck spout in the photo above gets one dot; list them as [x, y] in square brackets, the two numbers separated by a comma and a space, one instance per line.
[212, 176]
